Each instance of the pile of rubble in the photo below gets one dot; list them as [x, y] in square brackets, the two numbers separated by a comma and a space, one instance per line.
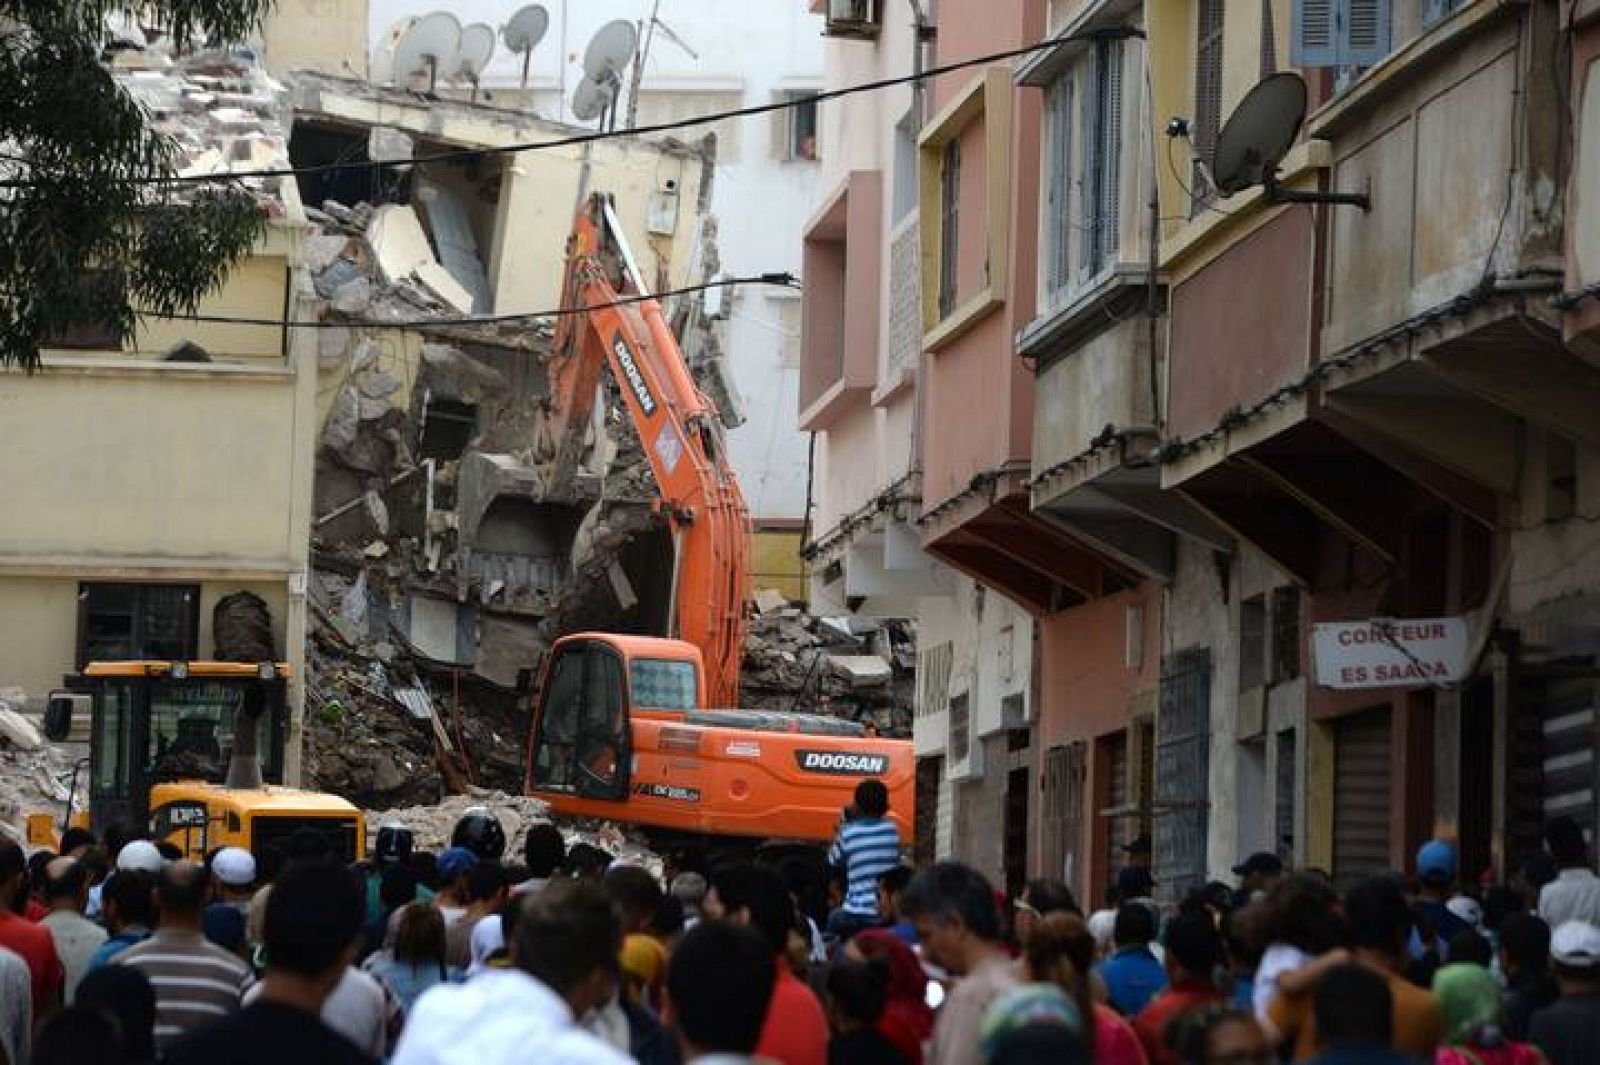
[852, 667]
[36, 776]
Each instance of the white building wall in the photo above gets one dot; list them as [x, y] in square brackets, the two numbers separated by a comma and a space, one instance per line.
[745, 54]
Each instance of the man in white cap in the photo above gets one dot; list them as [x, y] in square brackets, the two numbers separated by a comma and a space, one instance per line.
[141, 856]
[233, 872]
[1569, 1030]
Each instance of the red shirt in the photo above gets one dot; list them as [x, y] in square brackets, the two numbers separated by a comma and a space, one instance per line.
[34, 943]
[1183, 997]
[795, 1031]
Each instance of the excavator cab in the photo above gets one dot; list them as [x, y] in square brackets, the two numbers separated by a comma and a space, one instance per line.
[581, 741]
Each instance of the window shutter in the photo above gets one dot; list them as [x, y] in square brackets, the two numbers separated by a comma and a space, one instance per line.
[1366, 32]
[1313, 36]
[1108, 210]
[1058, 267]
[1088, 202]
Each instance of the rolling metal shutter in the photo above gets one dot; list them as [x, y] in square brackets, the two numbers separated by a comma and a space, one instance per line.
[1362, 809]
[1568, 717]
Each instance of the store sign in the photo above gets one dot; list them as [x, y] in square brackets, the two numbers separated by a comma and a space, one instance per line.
[1384, 653]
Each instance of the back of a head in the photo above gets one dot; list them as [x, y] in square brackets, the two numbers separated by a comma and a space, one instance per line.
[564, 933]
[65, 878]
[75, 1035]
[314, 914]
[1353, 1008]
[1566, 842]
[1051, 896]
[586, 861]
[689, 889]
[951, 890]
[771, 906]
[1136, 925]
[13, 862]
[872, 798]
[485, 880]
[182, 890]
[128, 891]
[125, 993]
[719, 982]
[636, 893]
[1526, 942]
[397, 887]
[1300, 911]
[419, 936]
[1468, 945]
[1193, 942]
[1468, 998]
[859, 989]
[543, 850]
[75, 838]
[1378, 915]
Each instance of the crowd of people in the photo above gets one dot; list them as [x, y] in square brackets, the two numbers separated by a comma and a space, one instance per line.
[122, 950]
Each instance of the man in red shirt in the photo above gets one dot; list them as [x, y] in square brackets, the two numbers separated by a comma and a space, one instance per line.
[1194, 949]
[30, 940]
[795, 1031]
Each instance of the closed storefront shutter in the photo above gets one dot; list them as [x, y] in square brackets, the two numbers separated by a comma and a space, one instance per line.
[1569, 721]
[1362, 810]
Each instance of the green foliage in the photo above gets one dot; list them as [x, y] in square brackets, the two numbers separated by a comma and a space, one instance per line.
[86, 235]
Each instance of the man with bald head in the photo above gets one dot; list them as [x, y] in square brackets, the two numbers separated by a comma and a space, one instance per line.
[196, 981]
[66, 893]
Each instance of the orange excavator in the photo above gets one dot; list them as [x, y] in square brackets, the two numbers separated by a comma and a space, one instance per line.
[639, 729]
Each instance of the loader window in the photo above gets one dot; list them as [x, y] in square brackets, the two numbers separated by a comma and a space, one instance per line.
[191, 730]
[110, 732]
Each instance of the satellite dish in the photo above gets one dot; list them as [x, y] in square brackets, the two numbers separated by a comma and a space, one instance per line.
[477, 48]
[1259, 134]
[591, 98]
[525, 30]
[431, 45]
[610, 50]
[382, 69]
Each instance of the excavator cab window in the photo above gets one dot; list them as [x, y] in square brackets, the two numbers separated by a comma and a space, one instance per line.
[583, 740]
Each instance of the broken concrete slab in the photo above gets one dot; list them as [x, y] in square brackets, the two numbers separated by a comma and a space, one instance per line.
[353, 297]
[769, 600]
[861, 671]
[323, 249]
[438, 281]
[377, 384]
[398, 241]
[18, 731]
[332, 344]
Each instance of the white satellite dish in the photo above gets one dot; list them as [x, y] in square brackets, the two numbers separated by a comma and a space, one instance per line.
[610, 50]
[477, 48]
[525, 30]
[591, 98]
[381, 71]
[431, 45]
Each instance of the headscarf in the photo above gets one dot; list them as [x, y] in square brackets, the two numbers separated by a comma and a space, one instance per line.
[488, 936]
[1470, 1002]
[907, 1021]
[1028, 1007]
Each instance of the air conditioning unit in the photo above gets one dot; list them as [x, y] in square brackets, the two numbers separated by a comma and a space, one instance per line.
[852, 18]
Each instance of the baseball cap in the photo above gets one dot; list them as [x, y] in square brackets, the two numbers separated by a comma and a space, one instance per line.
[1436, 858]
[1259, 862]
[455, 861]
[141, 856]
[1467, 909]
[1576, 944]
[234, 866]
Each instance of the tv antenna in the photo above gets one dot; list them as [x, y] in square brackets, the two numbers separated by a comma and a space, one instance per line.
[432, 44]
[642, 56]
[477, 48]
[1258, 135]
[523, 33]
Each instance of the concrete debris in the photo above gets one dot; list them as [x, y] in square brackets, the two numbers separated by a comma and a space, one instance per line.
[353, 297]
[38, 778]
[769, 600]
[438, 281]
[861, 671]
[18, 731]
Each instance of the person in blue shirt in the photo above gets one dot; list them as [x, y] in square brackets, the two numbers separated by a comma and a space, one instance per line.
[1436, 870]
[1132, 975]
[867, 846]
[129, 912]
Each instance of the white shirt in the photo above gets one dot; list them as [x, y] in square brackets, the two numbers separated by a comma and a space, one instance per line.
[1279, 958]
[358, 1009]
[1574, 895]
[16, 1006]
[499, 1018]
[76, 938]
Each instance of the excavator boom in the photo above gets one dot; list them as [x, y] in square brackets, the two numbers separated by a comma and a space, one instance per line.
[622, 328]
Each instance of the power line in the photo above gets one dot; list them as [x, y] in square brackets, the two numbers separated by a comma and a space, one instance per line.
[783, 280]
[602, 135]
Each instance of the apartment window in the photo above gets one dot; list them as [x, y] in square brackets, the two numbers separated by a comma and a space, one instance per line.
[1102, 159]
[1434, 10]
[852, 18]
[138, 621]
[1347, 34]
[960, 727]
[797, 125]
[1207, 99]
[905, 165]
[1285, 650]
[949, 220]
[1252, 642]
[1061, 222]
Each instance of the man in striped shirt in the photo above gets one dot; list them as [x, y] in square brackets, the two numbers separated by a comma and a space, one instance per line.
[868, 845]
[196, 982]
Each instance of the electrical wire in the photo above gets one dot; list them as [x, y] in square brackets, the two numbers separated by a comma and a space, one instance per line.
[603, 135]
[782, 280]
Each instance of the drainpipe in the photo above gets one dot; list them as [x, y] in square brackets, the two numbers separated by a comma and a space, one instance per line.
[921, 34]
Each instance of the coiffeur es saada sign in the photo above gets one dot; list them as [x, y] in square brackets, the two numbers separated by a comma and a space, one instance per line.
[1386, 653]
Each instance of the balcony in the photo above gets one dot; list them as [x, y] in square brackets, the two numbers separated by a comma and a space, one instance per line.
[842, 263]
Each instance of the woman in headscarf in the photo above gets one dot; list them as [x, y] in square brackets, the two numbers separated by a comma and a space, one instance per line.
[907, 1021]
[1034, 1023]
[1470, 1001]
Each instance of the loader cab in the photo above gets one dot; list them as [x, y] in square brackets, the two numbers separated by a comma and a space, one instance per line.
[158, 723]
[593, 683]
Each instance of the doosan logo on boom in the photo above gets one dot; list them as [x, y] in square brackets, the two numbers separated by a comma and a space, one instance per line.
[842, 762]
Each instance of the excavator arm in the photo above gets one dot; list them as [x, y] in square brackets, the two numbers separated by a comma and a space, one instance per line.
[680, 429]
